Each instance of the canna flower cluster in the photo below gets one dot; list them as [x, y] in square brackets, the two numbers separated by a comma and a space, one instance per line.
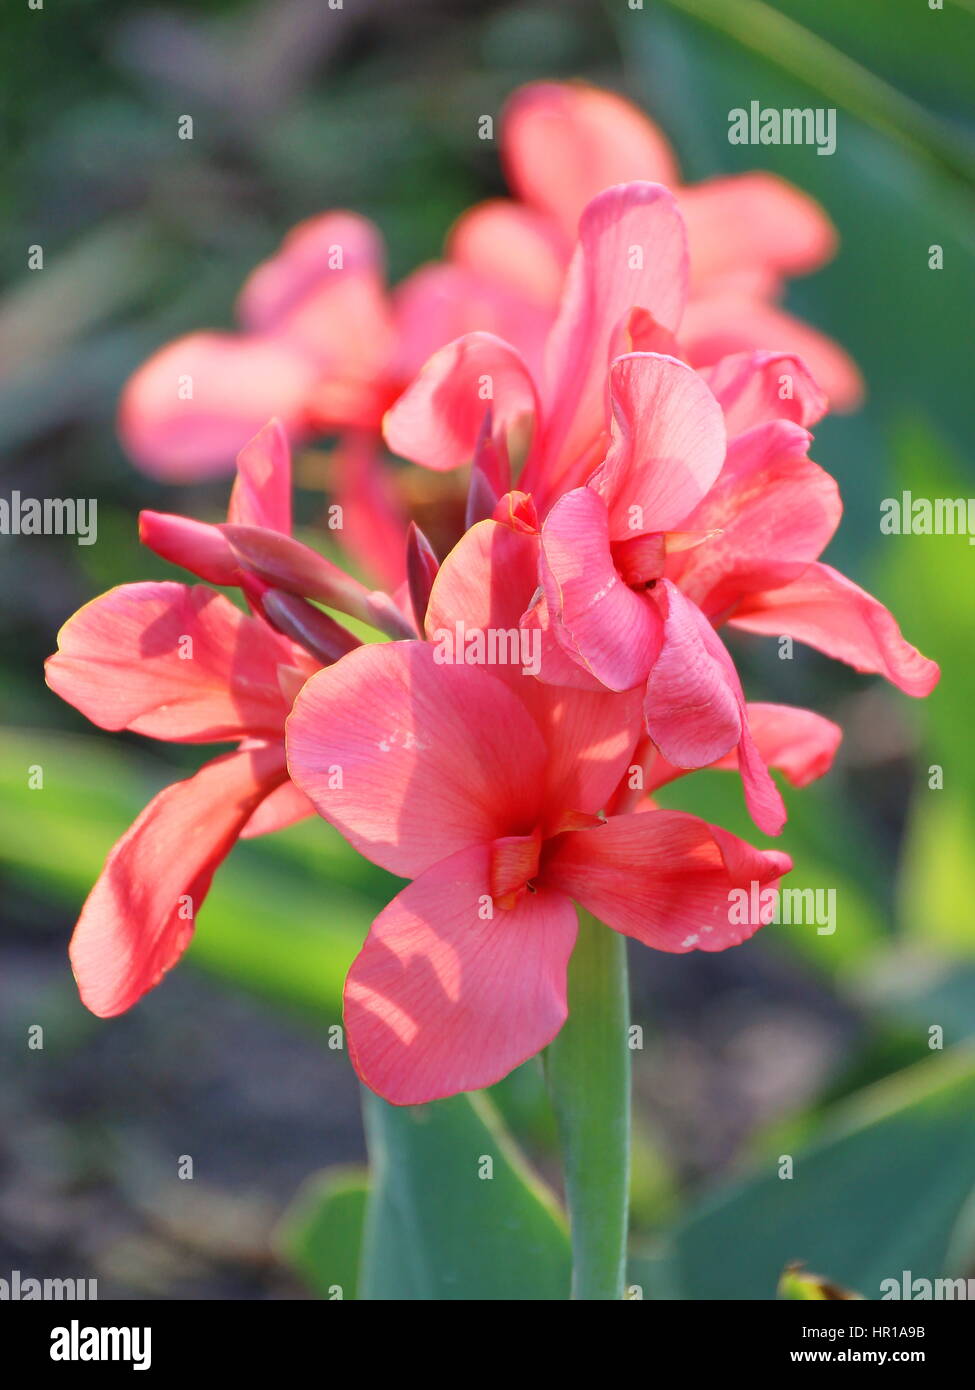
[638, 482]
[327, 348]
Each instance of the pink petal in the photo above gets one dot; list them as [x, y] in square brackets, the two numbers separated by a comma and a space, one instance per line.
[695, 707]
[261, 494]
[717, 324]
[438, 418]
[443, 301]
[663, 877]
[639, 331]
[513, 245]
[285, 806]
[557, 666]
[561, 144]
[754, 219]
[431, 758]
[374, 524]
[837, 617]
[798, 742]
[591, 736]
[324, 294]
[692, 706]
[773, 512]
[668, 444]
[350, 331]
[487, 581]
[632, 253]
[278, 290]
[439, 1001]
[174, 662]
[238, 383]
[610, 630]
[749, 387]
[140, 915]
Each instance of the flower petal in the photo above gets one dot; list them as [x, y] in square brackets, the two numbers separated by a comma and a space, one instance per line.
[772, 511]
[692, 709]
[514, 245]
[662, 877]
[798, 742]
[632, 253]
[261, 494]
[238, 383]
[754, 219]
[439, 1001]
[172, 661]
[139, 917]
[609, 629]
[432, 758]
[695, 707]
[557, 667]
[839, 618]
[316, 253]
[285, 806]
[562, 143]
[438, 418]
[753, 388]
[374, 523]
[443, 301]
[668, 444]
[486, 581]
[718, 324]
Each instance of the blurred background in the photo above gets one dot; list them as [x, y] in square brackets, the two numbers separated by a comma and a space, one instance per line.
[817, 1047]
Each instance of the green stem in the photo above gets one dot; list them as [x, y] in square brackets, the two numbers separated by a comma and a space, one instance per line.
[589, 1073]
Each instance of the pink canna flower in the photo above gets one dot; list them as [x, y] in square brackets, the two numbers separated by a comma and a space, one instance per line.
[678, 532]
[627, 288]
[673, 500]
[563, 143]
[324, 346]
[313, 349]
[490, 575]
[485, 788]
[181, 663]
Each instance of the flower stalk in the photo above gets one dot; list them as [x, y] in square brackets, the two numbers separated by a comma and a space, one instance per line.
[588, 1068]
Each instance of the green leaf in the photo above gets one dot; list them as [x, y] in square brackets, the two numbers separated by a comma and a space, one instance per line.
[438, 1227]
[927, 51]
[811, 59]
[320, 1235]
[880, 1191]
